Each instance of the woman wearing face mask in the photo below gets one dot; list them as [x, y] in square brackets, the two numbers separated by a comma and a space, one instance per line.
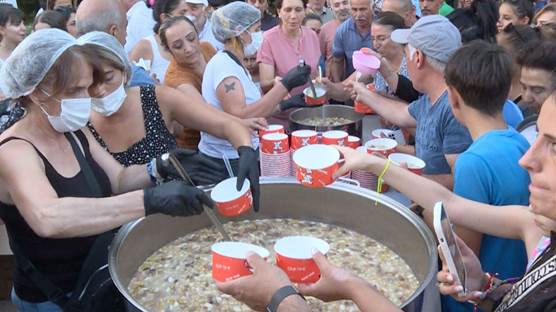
[147, 112]
[12, 30]
[60, 190]
[227, 84]
[185, 72]
[150, 48]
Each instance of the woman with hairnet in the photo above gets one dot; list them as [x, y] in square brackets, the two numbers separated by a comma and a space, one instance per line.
[227, 84]
[148, 112]
[59, 189]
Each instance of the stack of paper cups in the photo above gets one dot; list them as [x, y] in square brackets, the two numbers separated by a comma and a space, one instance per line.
[366, 179]
[275, 155]
[300, 138]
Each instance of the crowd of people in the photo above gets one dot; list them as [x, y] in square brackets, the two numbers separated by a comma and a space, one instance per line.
[95, 94]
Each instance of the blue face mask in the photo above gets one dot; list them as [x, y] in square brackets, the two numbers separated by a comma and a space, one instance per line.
[256, 42]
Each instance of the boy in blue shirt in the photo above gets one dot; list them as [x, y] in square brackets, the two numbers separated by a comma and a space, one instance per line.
[479, 78]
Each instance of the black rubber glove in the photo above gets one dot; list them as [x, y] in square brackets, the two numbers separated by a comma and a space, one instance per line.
[297, 76]
[202, 170]
[175, 198]
[296, 101]
[249, 167]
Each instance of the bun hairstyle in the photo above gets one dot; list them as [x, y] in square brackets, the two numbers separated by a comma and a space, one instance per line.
[163, 7]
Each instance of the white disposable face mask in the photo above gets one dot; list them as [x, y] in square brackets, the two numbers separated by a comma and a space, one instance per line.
[74, 115]
[256, 42]
[111, 103]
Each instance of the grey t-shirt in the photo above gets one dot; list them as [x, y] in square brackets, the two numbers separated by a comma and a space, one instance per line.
[438, 133]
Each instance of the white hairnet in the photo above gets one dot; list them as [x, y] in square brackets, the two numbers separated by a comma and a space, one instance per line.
[31, 60]
[109, 43]
[232, 19]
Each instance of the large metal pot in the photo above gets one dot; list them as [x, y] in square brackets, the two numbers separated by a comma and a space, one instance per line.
[345, 205]
[353, 128]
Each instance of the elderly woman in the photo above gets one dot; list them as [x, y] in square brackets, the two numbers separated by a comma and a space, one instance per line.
[185, 72]
[227, 84]
[147, 112]
[59, 188]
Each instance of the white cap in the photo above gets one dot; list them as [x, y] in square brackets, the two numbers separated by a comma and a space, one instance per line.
[203, 2]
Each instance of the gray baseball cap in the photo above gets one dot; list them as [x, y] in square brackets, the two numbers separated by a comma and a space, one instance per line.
[434, 35]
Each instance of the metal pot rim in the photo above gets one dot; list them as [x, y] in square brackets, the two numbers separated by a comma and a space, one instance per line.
[404, 211]
[332, 106]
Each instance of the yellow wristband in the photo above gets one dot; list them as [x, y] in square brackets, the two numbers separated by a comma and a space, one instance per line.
[379, 180]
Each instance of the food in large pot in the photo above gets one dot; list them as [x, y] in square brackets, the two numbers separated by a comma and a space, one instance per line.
[327, 117]
[177, 277]
[348, 214]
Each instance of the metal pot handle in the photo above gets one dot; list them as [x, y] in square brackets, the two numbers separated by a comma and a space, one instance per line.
[349, 181]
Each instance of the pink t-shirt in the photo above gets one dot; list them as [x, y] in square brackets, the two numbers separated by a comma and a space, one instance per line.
[326, 37]
[284, 53]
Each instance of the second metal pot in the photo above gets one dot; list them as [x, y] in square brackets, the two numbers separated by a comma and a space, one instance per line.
[353, 128]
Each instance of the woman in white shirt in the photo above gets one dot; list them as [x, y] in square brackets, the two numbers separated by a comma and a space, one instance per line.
[227, 84]
[150, 48]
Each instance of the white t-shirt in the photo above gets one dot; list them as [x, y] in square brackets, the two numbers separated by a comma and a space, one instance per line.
[140, 24]
[207, 35]
[220, 67]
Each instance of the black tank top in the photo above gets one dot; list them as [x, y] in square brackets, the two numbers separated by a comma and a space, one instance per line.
[59, 260]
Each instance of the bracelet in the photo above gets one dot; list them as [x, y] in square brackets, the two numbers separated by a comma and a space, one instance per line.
[280, 295]
[155, 177]
[379, 180]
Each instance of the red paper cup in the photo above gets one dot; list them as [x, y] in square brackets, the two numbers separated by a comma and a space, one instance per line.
[414, 164]
[311, 100]
[294, 256]
[383, 146]
[302, 138]
[229, 201]
[272, 129]
[354, 142]
[315, 164]
[362, 108]
[229, 260]
[335, 137]
[274, 143]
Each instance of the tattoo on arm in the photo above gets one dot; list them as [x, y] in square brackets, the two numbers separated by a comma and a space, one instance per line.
[230, 87]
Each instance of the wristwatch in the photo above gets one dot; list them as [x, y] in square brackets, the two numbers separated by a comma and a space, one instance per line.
[280, 295]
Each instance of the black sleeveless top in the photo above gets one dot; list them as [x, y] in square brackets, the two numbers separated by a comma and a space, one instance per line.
[157, 141]
[59, 260]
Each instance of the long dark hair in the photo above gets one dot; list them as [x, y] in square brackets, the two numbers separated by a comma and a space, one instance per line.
[160, 7]
[477, 21]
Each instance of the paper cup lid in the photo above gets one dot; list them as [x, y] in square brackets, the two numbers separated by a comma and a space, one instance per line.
[300, 247]
[226, 190]
[238, 250]
[317, 156]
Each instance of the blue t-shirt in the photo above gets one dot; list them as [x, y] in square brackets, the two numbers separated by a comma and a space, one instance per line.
[438, 133]
[512, 114]
[348, 40]
[489, 172]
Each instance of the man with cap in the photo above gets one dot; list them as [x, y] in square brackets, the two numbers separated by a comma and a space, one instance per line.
[196, 11]
[439, 136]
[140, 22]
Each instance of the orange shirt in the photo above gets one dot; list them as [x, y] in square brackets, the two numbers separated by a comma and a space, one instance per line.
[177, 75]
